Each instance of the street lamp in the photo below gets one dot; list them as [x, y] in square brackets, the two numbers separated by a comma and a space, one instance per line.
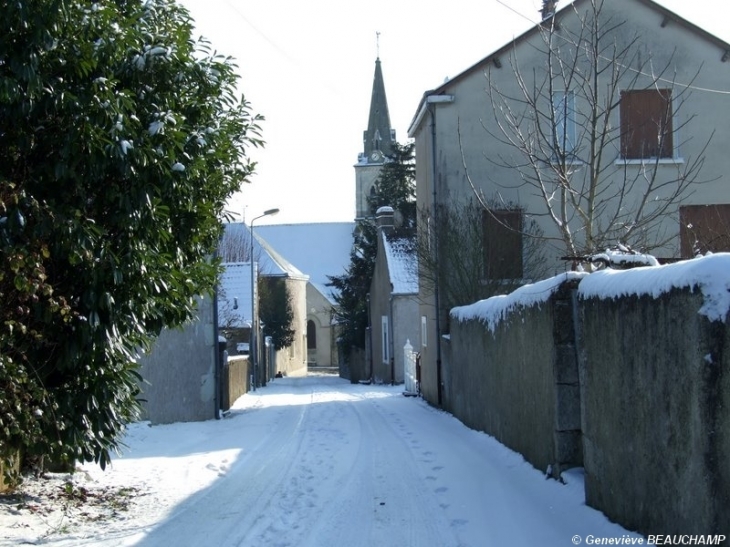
[253, 350]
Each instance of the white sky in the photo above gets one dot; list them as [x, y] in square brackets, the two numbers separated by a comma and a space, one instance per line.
[308, 68]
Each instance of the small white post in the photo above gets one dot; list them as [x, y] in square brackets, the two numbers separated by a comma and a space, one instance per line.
[409, 374]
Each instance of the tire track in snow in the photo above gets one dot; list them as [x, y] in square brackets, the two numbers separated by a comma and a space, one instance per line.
[384, 502]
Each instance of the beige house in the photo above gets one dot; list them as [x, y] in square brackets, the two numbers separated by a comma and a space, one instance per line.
[596, 127]
[393, 302]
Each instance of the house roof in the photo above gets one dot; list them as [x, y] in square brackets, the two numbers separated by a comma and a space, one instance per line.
[493, 57]
[317, 249]
[402, 264]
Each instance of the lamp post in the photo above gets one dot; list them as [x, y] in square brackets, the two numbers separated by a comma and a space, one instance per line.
[253, 349]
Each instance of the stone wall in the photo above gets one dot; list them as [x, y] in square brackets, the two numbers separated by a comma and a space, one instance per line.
[634, 384]
[519, 383]
[655, 377]
[179, 372]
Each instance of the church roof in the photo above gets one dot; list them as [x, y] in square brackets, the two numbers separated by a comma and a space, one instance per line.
[273, 264]
[270, 261]
[317, 249]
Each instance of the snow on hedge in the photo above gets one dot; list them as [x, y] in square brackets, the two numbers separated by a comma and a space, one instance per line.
[710, 274]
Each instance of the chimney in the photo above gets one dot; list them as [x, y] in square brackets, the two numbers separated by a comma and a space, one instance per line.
[548, 8]
[385, 219]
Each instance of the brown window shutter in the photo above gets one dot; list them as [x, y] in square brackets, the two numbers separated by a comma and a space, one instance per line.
[704, 228]
[502, 231]
[646, 124]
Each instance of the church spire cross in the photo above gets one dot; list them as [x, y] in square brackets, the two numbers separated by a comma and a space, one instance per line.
[377, 44]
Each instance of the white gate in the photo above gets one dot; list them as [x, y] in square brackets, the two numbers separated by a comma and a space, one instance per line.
[409, 372]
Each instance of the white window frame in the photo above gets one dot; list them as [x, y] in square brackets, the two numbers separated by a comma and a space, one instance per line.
[424, 331]
[385, 339]
[566, 126]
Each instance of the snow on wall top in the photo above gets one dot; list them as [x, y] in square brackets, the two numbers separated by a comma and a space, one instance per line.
[402, 265]
[711, 274]
[495, 309]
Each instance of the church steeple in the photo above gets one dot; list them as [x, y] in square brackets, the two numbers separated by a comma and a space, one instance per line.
[379, 137]
[378, 142]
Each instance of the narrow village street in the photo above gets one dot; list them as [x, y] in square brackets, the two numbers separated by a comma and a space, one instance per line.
[317, 461]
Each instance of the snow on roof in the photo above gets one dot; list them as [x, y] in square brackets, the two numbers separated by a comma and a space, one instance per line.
[234, 295]
[271, 262]
[402, 265]
[317, 249]
[495, 309]
[710, 274]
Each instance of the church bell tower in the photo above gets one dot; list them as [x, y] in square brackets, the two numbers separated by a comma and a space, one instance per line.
[378, 141]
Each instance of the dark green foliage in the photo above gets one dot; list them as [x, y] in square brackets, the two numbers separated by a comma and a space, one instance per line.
[353, 286]
[275, 311]
[396, 183]
[395, 187]
[120, 140]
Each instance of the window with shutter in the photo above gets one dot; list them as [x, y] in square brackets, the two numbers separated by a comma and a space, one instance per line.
[502, 231]
[704, 228]
[646, 124]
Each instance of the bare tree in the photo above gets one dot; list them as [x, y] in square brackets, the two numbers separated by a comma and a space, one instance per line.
[601, 182]
[235, 244]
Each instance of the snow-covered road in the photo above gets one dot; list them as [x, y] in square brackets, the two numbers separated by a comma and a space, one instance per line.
[319, 462]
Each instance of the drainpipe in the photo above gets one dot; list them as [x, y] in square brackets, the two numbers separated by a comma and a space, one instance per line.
[216, 355]
[432, 101]
[391, 336]
[369, 339]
